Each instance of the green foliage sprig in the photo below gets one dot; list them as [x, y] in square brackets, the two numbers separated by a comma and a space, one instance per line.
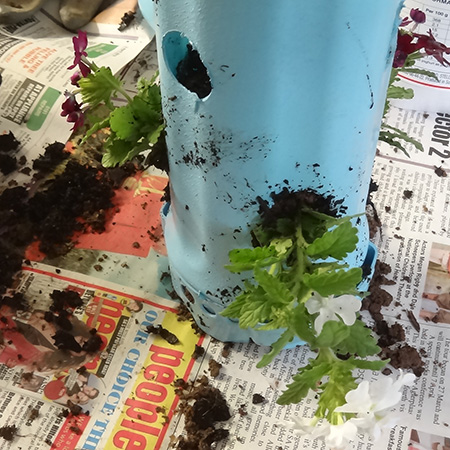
[300, 261]
[134, 127]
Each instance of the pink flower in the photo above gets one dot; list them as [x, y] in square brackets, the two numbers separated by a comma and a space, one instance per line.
[417, 15]
[71, 109]
[79, 46]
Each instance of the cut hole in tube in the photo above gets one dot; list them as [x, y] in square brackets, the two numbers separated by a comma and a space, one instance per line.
[185, 63]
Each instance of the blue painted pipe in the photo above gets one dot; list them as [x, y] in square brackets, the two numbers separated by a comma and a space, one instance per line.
[290, 94]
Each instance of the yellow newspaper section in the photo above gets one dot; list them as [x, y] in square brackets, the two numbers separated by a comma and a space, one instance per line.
[142, 421]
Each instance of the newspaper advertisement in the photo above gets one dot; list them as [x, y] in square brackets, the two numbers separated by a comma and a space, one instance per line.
[118, 393]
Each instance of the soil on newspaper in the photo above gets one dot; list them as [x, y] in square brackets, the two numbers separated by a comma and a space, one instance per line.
[67, 195]
[391, 337]
[203, 406]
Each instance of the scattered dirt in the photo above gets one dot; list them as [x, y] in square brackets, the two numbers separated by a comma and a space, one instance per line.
[164, 333]
[126, 20]
[226, 350]
[198, 352]
[287, 204]
[440, 172]
[202, 406]
[66, 196]
[8, 147]
[8, 432]
[258, 399]
[184, 314]
[391, 338]
[407, 194]
[54, 155]
[413, 320]
[405, 357]
[214, 368]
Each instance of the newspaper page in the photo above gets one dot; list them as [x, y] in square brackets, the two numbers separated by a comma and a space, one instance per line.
[125, 388]
[412, 202]
[119, 394]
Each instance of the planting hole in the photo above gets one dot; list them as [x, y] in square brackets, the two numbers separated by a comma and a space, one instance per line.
[185, 63]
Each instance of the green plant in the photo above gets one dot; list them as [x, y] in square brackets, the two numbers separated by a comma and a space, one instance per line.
[300, 284]
[134, 127]
[411, 46]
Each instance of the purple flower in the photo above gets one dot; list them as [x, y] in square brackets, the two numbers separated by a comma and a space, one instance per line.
[417, 15]
[71, 109]
[433, 47]
[79, 46]
[75, 78]
[406, 44]
[405, 21]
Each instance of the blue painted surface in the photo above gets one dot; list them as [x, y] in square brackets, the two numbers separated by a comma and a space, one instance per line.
[298, 90]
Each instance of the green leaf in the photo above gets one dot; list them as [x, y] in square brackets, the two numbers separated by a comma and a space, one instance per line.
[150, 93]
[281, 245]
[336, 243]
[153, 136]
[392, 135]
[99, 86]
[340, 381]
[418, 71]
[336, 282]
[277, 346]
[243, 259]
[360, 341]
[302, 324]
[97, 126]
[252, 307]
[308, 378]
[400, 92]
[280, 318]
[135, 120]
[369, 365]
[333, 333]
[116, 152]
[276, 290]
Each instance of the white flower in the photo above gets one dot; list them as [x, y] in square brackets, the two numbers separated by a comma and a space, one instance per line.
[339, 436]
[329, 308]
[335, 436]
[371, 402]
[301, 425]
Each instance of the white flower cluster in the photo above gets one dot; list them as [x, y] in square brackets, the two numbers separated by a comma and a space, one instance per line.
[370, 404]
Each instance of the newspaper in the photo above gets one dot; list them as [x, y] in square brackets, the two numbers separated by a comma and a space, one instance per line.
[120, 389]
[130, 378]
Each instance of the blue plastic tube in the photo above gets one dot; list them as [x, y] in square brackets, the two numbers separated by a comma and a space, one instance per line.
[294, 99]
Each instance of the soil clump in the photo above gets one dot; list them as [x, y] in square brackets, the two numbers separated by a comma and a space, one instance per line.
[203, 406]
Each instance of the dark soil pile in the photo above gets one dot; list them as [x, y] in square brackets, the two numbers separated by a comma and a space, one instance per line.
[53, 208]
[8, 147]
[287, 204]
[202, 406]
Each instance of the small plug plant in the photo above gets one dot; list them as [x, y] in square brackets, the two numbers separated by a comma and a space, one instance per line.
[300, 284]
[134, 127]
